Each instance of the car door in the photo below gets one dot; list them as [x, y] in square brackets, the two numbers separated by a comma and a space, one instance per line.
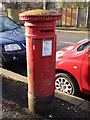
[85, 71]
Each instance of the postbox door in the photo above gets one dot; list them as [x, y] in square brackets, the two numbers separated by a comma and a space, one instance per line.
[44, 66]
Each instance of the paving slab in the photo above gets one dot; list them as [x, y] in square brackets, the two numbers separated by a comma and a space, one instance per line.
[13, 75]
[85, 105]
[69, 98]
[72, 30]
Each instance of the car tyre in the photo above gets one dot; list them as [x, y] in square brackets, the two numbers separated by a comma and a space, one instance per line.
[66, 83]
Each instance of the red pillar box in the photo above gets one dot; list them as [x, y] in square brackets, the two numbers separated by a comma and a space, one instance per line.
[41, 52]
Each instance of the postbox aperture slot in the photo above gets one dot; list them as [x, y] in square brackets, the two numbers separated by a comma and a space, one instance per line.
[45, 31]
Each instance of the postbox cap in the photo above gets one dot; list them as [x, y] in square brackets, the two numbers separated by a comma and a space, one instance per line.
[39, 14]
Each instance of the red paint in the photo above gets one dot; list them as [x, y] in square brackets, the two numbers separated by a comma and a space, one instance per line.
[76, 63]
[41, 69]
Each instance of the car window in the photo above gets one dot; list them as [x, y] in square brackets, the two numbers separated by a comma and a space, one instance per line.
[83, 46]
[7, 24]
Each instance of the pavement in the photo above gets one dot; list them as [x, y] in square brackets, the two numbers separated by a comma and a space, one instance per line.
[73, 30]
[79, 102]
[15, 105]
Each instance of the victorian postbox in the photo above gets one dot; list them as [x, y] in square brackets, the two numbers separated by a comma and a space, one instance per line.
[41, 52]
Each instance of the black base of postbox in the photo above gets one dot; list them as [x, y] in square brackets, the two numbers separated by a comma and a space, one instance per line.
[40, 105]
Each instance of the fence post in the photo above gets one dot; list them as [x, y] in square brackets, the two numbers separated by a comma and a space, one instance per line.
[12, 14]
[66, 18]
[44, 5]
[60, 21]
[87, 17]
[77, 17]
[71, 17]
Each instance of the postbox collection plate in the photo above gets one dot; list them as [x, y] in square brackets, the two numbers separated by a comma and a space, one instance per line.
[47, 48]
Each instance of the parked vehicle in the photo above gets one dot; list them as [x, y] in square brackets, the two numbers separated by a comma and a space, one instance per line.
[73, 68]
[12, 41]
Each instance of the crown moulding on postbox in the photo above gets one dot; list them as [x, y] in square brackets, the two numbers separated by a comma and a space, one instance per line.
[39, 14]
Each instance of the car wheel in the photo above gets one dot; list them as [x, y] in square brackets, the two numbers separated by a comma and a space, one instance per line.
[66, 84]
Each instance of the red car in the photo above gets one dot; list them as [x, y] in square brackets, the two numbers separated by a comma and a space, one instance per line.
[73, 68]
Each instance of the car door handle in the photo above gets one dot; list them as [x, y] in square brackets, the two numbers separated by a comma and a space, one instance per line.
[89, 56]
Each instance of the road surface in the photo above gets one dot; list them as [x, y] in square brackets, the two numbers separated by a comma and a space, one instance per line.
[64, 39]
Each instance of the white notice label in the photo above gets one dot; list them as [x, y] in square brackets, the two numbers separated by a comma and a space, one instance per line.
[47, 48]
